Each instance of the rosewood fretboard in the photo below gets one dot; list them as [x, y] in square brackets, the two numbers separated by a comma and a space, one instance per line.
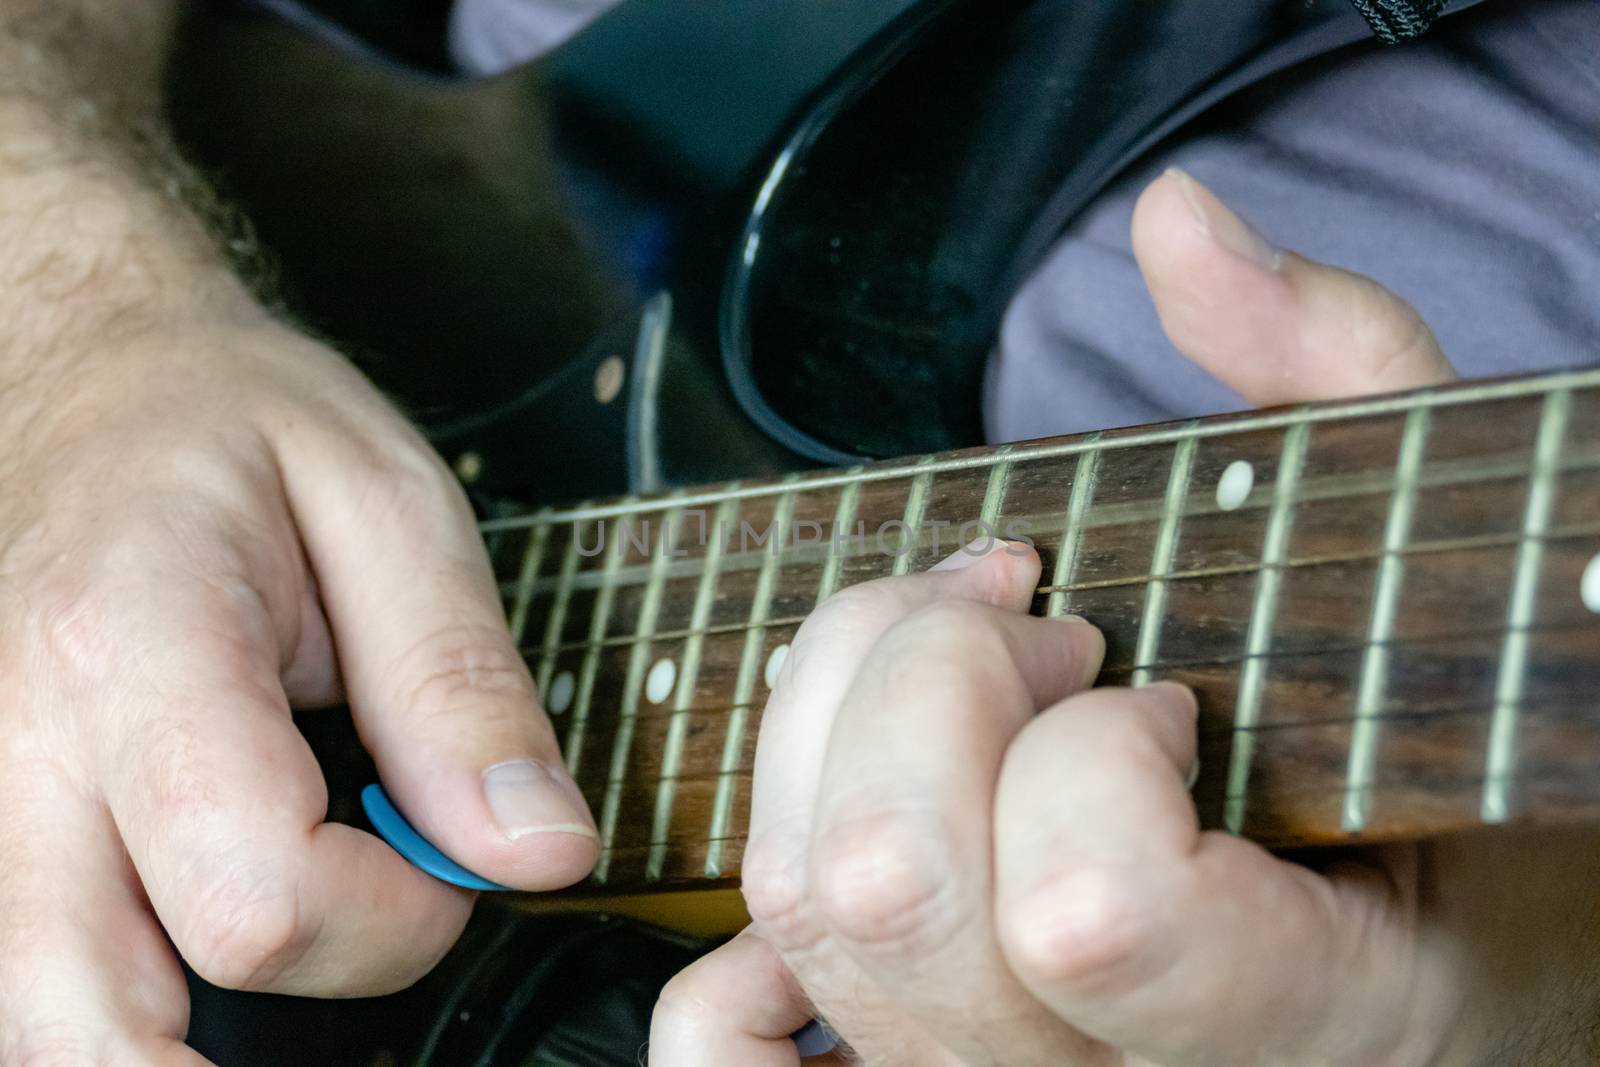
[1388, 608]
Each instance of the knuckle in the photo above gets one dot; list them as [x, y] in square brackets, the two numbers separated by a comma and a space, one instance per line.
[244, 931]
[1133, 738]
[459, 667]
[165, 758]
[947, 647]
[865, 607]
[959, 628]
[945, 617]
[886, 881]
[684, 1010]
[1388, 333]
[865, 597]
[408, 483]
[1078, 931]
[773, 884]
[74, 627]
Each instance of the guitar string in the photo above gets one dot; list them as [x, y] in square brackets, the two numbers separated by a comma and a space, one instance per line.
[1296, 564]
[1325, 490]
[1268, 728]
[1483, 541]
[1452, 396]
[1580, 778]
[1301, 652]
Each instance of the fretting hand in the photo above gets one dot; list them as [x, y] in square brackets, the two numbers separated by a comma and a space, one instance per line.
[960, 858]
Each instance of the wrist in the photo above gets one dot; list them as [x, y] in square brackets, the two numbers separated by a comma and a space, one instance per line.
[94, 246]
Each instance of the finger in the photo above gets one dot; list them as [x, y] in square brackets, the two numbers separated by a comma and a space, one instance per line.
[824, 658]
[900, 862]
[85, 975]
[735, 1007]
[1118, 913]
[221, 805]
[1274, 326]
[441, 697]
[828, 651]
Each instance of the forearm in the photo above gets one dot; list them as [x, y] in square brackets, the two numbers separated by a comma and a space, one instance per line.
[102, 222]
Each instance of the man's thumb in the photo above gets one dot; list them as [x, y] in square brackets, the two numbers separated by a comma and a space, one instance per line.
[1275, 326]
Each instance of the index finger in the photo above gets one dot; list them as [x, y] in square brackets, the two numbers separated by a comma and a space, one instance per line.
[439, 693]
[901, 863]
[827, 654]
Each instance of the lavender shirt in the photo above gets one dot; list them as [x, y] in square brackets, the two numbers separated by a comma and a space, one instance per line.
[1462, 172]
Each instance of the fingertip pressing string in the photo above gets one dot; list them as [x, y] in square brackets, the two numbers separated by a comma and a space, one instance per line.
[416, 849]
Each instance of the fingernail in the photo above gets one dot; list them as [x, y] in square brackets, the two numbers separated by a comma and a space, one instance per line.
[1222, 225]
[1175, 695]
[1071, 618]
[970, 553]
[1193, 776]
[527, 797]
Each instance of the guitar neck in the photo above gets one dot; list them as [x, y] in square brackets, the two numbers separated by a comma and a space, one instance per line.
[1388, 609]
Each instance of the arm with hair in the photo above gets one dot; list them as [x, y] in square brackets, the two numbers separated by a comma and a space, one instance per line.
[99, 215]
[206, 520]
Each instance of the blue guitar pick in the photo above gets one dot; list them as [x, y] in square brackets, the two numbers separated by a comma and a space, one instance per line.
[404, 839]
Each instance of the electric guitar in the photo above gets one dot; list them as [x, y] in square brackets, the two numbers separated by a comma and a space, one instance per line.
[687, 248]
[1389, 608]
[752, 259]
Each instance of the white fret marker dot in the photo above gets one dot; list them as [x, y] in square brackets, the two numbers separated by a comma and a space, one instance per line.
[658, 684]
[561, 693]
[1233, 488]
[775, 665]
[1591, 585]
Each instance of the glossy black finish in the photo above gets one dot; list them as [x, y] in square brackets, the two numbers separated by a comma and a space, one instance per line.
[918, 199]
[840, 197]
[469, 242]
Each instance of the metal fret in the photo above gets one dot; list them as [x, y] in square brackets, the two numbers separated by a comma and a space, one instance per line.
[1155, 598]
[916, 506]
[688, 677]
[1072, 531]
[745, 686]
[1258, 643]
[591, 657]
[1313, 414]
[557, 618]
[1501, 763]
[528, 575]
[1439, 474]
[1386, 602]
[638, 660]
[843, 517]
[994, 494]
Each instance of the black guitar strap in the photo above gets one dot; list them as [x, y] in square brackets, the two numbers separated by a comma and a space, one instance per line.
[1400, 20]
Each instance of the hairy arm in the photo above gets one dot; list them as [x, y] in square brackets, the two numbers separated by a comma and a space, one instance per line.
[100, 217]
[207, 520]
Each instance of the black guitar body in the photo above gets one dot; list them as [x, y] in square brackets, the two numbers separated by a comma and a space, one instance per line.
[797, 226]
[701, 241]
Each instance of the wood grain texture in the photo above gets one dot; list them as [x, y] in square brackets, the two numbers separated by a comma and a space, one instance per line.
[1279, 724]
